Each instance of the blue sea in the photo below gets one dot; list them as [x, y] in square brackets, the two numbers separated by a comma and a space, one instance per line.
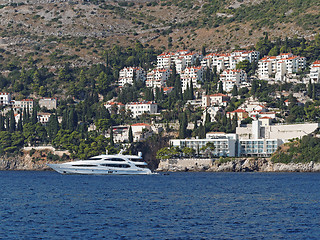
[47, 205]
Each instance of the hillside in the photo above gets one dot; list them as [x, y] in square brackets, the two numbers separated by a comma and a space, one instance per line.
[81, 31]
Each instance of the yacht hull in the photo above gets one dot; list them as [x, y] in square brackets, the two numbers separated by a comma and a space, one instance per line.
[63, 169]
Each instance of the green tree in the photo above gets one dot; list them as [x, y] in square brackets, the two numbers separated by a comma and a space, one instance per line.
[234, 90]
[130, 135]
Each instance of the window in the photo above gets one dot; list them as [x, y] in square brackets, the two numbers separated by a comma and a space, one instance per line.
[116, 159]
[83, 165]
[116, 165]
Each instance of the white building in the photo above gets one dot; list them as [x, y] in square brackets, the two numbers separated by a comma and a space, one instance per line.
[192, 75]
[48, 103]
[224, 144]
[165, 60]
[114, 107]
[218, 99]
[5, 98]
[212, 111]
[157, 78]
[228, 60]
[24, 103]
[127, 73]
[280, 66]
[43, 118]
[139, 108]
[231, 77]
[315, 72]
[276, 131]
[141, 131]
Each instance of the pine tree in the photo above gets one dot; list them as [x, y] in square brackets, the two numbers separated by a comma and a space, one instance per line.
[72, 120]
[234, 123]
[208, 119]
[183, 126]
[12, 122]
[34, 116]
[111, 136]
[203, 51]
[130, 135]
[220, 89]
[53, 126]
[310, 89]
[314, 92]
[2, 120]
[191, 91]
[19, 126]
[234, 90]
[64, 123]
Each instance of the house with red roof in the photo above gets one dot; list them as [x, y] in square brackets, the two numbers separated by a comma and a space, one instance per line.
[5, 98]
[315, 71]
[215, 99]
[241, 114]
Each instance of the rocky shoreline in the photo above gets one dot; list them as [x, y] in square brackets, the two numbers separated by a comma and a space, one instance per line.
[27, 163]
[235, 165]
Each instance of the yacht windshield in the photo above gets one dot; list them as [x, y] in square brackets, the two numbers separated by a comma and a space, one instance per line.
[94, 158]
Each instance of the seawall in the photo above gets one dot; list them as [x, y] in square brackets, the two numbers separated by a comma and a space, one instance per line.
[234, 165]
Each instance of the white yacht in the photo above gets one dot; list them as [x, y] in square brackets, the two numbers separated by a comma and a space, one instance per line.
[105, 165]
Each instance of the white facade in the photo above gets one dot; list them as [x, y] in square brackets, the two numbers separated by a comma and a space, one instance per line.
[224, 146]
[281, 65]
[126, 75]
[215, 99]
[24, 103]
[114, 107]
[49, 103]
[228, 60]
[315, 72]
[212, 111]
[157, 78]
[139, 108]
[231, 77]
[43, 118]
[191, 75]
[5, 98]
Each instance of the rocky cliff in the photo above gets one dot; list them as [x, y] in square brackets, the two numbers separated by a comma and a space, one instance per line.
[236, 165]
[31, 158]
[24, 162]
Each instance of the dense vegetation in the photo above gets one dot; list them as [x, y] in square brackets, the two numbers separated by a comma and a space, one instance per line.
[302, 150]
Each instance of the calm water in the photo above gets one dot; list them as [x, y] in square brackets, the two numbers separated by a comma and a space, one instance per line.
[46, 205]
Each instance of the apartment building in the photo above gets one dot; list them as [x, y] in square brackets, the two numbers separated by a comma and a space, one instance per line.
[48, 103]
[315, 72]
[224, 144]
[192, 75]
[126, 75]
[139, 108]
[280, 66]
[222, 61]
[231, 77]
[24, 103]
[5, 98]
[157, 78]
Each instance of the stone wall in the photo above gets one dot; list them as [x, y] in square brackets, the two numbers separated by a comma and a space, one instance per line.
[235, 165]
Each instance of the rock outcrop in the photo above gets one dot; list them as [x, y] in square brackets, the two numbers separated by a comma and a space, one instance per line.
[235, 165]
[24, 162]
